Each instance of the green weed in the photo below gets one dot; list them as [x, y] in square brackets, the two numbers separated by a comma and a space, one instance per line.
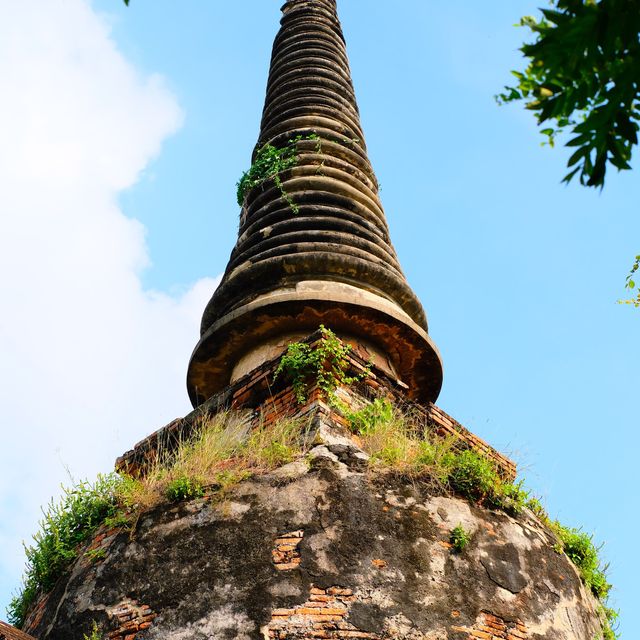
[510, 498]
[459, 538]
[537, 509]
[64, 526]
[184, 488]
[224, 451]
[581, 550]
[609, 620]
[368, 419]
[473, 476]
[95, 633]
[325, 362]
[400, 442]
[122, 518]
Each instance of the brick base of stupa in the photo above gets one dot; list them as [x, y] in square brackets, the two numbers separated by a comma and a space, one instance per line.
[323, 547]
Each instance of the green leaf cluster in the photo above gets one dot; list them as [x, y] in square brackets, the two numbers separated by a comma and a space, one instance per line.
[476, 478]
[368, 419]
[459, 538]
[269, 163]
[184, 488]
[583, 74]
[609, 618]
[473, 476]
[581, 550]
[95, 629]
[64, 526]
[402, 441]
[631, 285]
[324, 362]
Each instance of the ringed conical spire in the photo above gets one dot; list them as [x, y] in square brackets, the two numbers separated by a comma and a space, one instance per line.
[313, 245]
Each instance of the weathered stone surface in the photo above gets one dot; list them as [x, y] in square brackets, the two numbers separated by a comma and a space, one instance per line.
[330, 552]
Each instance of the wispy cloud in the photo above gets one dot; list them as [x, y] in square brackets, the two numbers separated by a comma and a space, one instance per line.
[91, 362]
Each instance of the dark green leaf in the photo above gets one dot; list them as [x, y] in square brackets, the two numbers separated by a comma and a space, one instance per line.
[579, 140]
[581, 152]
[570, 175]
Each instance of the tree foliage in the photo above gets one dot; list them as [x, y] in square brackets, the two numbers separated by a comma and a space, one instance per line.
[631, 286]
[583, 74]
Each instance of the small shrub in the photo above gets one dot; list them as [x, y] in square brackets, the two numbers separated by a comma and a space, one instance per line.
[401, 442]
[368, 419]
[184, 488]
[279, 443]
[510, 498]
[459, 538]
[325, 361]
[121, 519]
[537, 509]
[64, 526]
[384, 434]
[224, 480]
[580, 549]
[473, 476]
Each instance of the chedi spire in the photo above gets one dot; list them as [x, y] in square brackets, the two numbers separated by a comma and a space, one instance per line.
[313, 245]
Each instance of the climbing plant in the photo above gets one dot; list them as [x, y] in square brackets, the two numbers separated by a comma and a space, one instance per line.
[270, 162]
[324, 361]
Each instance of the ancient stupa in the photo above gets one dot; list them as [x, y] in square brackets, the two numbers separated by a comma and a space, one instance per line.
[320, 547]
[321, 254]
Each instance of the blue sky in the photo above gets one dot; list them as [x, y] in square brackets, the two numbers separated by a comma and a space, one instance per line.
[519, 274]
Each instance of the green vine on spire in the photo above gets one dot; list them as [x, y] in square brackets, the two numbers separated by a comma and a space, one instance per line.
[270, 162]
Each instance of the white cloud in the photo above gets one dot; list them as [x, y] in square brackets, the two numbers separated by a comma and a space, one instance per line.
[90, 361]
